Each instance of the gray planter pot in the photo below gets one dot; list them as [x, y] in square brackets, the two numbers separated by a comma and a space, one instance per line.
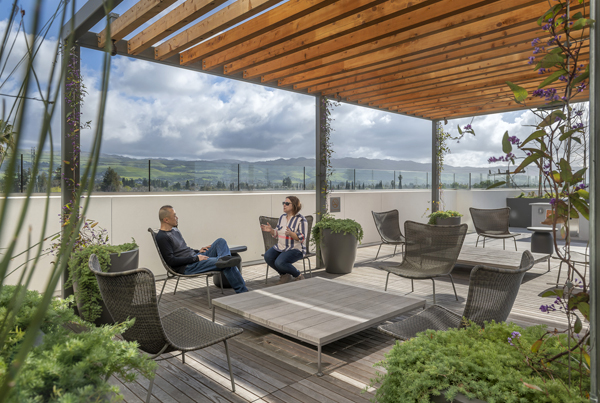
[126, 261]
[338, 251]
[448, 221]
[520, 210]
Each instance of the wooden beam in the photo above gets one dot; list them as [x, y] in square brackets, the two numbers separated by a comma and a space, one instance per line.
[133, 18]
[447, 53]
[268, 21]
[300, 29]
[424, 35]
[167, 25]
[335, 28]
[500, 107]
[211, 25]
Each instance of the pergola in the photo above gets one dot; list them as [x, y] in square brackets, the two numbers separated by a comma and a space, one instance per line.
[431, 59]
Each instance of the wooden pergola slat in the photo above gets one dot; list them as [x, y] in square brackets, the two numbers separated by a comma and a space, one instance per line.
[133, 18]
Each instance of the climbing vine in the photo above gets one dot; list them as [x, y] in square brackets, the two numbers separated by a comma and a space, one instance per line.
[327, 107]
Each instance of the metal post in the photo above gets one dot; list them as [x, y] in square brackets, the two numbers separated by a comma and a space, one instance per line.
[394, 181]
[321, 166]
[149, 186]
[21, 173]
[594, 199]
[435, 179]
[354, 180]
[469, 180]
[454, 180]
[426, 180]
[69, 149]
[238, 177]
[304, 179]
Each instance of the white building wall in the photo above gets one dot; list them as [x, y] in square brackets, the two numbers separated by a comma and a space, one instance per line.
[204, 217]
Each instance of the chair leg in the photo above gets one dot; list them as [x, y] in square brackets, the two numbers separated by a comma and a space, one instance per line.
[477, 241]
[484, 242]
[267, 275]
[208, 292]
[377, 255]
[559, 269]
[161, 291]
[304, 266]
[412, 284]
[229, 364]
[433, 291]
[451, 279]
[386, 280]
[309, 267]
[175, 290]
[221, 278]
[515, 241]
[150, 388]
[394, 250]
[503, 244]
[183, 354]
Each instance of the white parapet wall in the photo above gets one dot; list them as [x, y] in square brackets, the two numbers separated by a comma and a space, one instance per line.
[205, 216]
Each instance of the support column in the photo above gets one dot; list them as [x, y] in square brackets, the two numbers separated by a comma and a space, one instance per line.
[594, 200]
[321, 167]
[69, 147]
[435, 177]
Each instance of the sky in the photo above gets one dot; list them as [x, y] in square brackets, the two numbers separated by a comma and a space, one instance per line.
[156, 111]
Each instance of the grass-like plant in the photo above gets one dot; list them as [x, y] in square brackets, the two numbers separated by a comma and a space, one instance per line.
[433, 217]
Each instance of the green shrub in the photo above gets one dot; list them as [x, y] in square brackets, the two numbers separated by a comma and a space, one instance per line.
[442, 214]
[345, 226]
[65, 366]
[88, 294]
[479, 363]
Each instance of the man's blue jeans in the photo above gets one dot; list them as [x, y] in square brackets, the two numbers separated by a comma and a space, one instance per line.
[282, 261]
[217, 250]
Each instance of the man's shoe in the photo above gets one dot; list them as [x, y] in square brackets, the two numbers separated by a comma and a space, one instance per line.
[300, 277]
[228, 261]
[284, 278]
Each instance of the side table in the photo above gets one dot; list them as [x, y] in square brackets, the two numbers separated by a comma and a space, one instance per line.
[235, 251]
[542, 240]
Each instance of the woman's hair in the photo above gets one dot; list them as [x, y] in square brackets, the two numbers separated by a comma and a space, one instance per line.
[296, 205]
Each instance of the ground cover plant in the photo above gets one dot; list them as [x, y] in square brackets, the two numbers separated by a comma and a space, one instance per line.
[488, 364]
[65, 366]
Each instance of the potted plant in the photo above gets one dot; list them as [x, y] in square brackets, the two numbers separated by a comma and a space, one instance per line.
[338, 240]
[501, 362]
[447, 217]
[112, 258]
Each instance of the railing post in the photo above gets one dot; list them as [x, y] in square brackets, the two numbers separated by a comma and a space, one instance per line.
[354, 181]
[238, 177]
[394, 181]
[454, 179]
[149, 177]
[469, 180]
[304, 179]
[21, 173]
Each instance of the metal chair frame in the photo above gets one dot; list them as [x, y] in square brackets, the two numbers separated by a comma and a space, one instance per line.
[502, 214]
[385, 239]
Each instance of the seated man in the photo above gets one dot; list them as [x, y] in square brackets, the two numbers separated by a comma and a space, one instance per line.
[186, 260]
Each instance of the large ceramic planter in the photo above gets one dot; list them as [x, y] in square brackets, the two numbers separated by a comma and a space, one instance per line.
[520, 210]
[448, 221]
[118, 263]
[338, 251]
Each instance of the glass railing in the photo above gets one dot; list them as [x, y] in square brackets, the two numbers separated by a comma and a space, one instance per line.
[130, 175]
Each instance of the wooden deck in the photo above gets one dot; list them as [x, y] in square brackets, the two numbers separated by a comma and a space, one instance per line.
[271, 367]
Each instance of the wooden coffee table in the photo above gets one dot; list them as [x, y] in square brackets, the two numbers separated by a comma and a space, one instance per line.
[505, 259]
[317, 311]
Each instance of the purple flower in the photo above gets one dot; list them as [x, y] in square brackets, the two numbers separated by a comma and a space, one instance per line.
[544, 308]
[553, 201]
[510, 341]
[516, 335]
[467, 127]
[535, 42]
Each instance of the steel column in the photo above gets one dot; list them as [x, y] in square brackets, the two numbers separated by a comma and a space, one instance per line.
[321, 167]
[435, 178]
[594, 199]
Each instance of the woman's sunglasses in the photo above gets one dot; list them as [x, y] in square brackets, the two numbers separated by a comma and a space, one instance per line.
[286, 203]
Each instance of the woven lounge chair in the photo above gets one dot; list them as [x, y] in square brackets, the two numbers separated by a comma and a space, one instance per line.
[269, 241]
[132, 294]
[492, 223]
[172, 274]
[492, 293]
[431, 251]
[388, 226]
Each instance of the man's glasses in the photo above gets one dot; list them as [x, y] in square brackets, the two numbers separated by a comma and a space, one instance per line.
[286, 203]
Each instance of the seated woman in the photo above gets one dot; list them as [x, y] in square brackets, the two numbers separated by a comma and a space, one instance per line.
[291, 241]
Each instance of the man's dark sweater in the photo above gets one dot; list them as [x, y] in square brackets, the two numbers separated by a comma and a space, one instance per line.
[175, 251]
